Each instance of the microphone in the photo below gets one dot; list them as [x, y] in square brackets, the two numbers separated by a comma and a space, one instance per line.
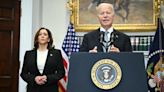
[113, 37]
[101, 37]
[107, 43]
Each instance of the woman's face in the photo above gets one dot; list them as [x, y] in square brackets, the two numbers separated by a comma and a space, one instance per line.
[43, 37]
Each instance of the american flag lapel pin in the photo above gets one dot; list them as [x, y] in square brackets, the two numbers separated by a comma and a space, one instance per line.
[51, 54]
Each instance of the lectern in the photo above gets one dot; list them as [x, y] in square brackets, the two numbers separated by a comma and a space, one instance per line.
[131, 64]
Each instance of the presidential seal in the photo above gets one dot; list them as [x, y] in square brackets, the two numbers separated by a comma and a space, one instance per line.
[106, 74]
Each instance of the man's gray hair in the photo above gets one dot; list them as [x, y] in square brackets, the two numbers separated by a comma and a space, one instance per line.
[101, 4]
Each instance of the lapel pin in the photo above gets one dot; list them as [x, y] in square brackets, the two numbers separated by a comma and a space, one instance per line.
[51, 54]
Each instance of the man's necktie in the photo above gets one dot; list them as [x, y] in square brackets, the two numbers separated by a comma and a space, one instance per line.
[106, 38]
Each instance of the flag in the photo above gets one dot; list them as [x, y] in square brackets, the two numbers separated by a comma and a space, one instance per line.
[70, 44]
[156, 53]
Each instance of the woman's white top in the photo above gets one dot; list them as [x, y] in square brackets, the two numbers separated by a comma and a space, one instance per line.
[41, 59]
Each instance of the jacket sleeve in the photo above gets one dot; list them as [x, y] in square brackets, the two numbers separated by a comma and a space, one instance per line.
[128, 47]
[59, 72]
[84, 45]
[25, 74]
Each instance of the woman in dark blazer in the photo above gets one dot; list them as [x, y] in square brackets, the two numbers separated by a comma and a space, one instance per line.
[43, 66]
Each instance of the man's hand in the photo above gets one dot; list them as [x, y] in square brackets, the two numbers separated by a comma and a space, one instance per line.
[113, 49]
[94, 50]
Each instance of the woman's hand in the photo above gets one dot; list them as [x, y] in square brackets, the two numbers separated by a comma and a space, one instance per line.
[40, 80]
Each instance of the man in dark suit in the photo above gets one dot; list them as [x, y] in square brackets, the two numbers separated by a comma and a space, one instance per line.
[95, 41]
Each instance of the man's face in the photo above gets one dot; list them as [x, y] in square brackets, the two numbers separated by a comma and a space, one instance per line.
[105, 16]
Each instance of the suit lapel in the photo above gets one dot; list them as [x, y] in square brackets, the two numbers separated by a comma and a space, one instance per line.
[119, 41]
[34, 59]
[97, 36]
[49, 56]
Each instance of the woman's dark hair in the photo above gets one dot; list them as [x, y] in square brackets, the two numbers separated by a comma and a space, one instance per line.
[36, 45]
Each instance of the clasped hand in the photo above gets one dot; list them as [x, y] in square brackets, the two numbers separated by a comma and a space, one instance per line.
[40, 80]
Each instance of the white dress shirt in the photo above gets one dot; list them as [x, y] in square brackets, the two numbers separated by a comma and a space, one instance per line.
[41, 60]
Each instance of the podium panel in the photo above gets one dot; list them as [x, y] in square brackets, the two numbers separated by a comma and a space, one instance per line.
[132, 66]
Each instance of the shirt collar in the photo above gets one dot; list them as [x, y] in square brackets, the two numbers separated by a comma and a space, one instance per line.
[110, 30]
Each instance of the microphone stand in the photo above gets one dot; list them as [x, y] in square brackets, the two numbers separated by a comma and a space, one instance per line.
[107, 44]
